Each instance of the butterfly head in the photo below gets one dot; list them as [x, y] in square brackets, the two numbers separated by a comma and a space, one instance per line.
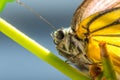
[60, 34]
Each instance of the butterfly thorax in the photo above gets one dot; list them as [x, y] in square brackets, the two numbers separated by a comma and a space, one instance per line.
[70, 46]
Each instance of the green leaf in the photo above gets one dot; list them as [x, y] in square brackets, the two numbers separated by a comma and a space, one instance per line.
[3, 4]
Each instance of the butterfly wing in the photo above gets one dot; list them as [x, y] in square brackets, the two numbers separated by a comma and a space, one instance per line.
[102, 26]
[89, 7]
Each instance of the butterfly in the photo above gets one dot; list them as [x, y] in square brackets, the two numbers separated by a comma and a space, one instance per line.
[92, 22]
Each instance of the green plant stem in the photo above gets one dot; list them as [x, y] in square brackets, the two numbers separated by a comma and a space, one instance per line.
[99, 77]
[3, 3]
[108, 70]
[40, 51]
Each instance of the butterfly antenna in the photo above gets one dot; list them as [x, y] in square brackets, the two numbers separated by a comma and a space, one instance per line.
[35, 13]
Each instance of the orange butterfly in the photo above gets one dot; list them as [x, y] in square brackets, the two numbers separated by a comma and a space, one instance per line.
[92, 22]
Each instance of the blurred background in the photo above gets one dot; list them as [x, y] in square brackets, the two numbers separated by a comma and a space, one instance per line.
[16, 63]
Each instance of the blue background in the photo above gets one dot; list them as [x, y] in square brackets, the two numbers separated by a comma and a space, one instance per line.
[16, 63]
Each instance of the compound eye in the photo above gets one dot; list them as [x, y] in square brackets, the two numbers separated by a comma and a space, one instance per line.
[60, 35]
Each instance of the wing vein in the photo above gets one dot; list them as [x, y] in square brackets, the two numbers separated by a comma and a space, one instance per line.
[107, 35]
[108, 43]
[114, 23]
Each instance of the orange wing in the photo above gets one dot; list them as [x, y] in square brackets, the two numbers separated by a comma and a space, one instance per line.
[102, 26]
[89, 7]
